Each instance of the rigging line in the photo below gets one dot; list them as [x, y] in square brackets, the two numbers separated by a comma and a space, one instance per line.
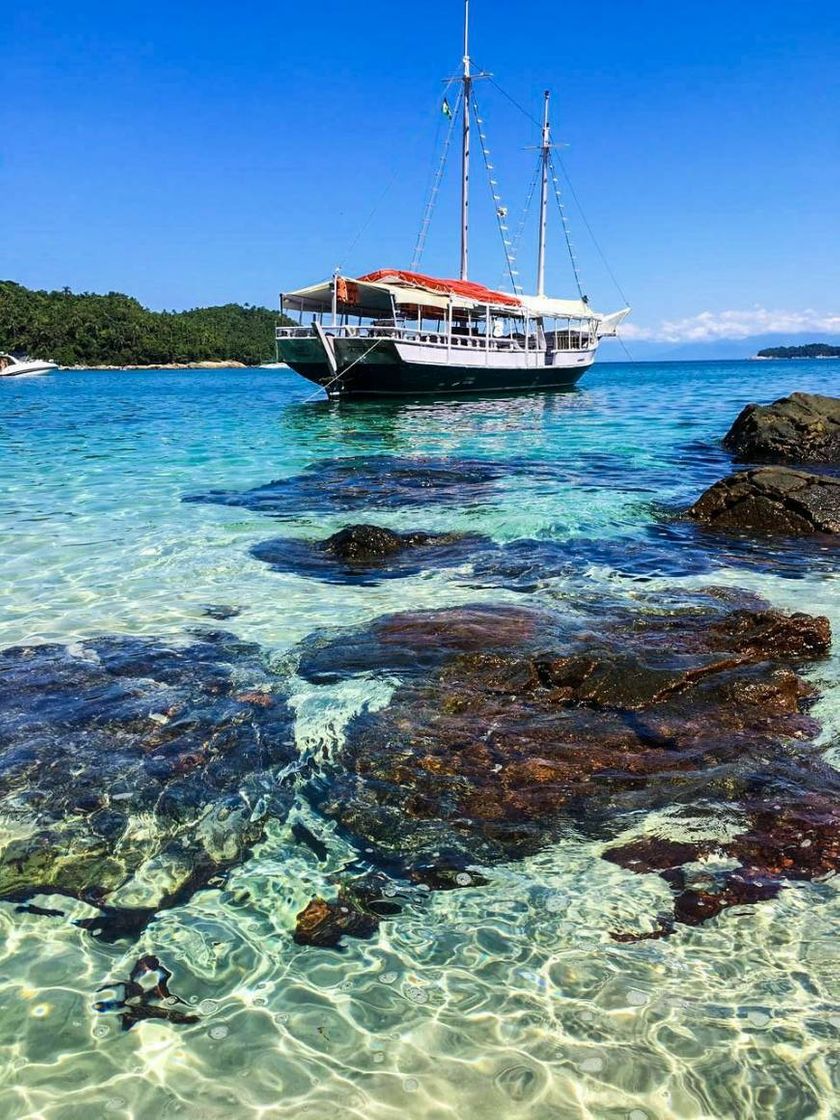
[432, 174]
[428, 214]
[513, 101]
[501, 210]
[566, 231]
[630, 357]
[598, 248]
[342, 372]
[572, 191]
[365, 225]
[520, 232]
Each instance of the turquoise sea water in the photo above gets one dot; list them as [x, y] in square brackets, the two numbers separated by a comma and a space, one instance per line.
[508, 999]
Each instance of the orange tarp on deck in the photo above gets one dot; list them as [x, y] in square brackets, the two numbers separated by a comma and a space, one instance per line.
[465, 288]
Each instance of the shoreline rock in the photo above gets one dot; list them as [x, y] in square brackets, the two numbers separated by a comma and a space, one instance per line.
[777, 501]
[167, 366]
[801, 429]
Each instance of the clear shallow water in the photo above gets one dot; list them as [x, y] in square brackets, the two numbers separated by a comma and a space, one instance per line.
[509, 999]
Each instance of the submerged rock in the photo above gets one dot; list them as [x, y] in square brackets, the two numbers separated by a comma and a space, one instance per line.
[221, 612]
[324, 923]
[414, 641]
[370, 482]
[145, 995]
[772, 500]
[500, 740]
[802, 428]
[791, 836]
[356, 912]
[136, 770]
[367, 553]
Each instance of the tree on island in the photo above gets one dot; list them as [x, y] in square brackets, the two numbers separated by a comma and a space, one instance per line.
[114, 329]
[812, 350]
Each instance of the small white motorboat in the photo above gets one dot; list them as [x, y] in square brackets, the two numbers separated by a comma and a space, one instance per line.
[18, 367]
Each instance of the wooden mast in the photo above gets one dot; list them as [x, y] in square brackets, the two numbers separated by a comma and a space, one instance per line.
[465, 159]
[545, 148]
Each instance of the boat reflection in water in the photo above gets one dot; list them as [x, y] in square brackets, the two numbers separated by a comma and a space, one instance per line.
[409, 421]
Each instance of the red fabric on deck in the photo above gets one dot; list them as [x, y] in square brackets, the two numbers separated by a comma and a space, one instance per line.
[457, 287]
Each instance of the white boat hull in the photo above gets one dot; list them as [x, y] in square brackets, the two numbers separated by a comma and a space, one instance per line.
[24, 369]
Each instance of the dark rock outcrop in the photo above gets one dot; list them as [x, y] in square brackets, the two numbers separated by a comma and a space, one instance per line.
[773, 501]
[802, 428]
[368, 553]
[499, 742]
[135, 770]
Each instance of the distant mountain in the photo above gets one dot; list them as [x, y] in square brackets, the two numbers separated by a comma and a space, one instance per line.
[716, 350]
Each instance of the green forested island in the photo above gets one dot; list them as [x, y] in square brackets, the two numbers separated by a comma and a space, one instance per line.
[812, 350]
[114, 329]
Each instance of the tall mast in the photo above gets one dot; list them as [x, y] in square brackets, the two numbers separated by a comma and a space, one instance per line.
[465, 161]
[545, 148]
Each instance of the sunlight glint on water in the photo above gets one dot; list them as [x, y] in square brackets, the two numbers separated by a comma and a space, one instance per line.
[505, 1000]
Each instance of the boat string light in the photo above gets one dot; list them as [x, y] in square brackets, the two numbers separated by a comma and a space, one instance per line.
[570, 185]
[523, 221]
[566, 230]
[499, 207]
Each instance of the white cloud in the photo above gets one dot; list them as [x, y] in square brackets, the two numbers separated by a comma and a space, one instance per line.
[711, 325]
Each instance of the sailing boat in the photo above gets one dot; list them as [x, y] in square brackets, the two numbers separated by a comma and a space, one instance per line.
[396, 332]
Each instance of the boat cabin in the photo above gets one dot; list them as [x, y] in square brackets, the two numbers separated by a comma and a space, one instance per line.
[452, 315]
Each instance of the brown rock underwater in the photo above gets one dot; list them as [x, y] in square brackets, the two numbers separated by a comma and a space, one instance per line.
[510, 729]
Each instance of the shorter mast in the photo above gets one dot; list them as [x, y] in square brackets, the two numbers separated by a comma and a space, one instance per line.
[545, 149]
[465, 160]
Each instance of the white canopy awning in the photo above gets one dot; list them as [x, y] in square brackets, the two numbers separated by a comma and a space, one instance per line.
[539, 307]
[377, 299]
[374, 299]
[369, 300]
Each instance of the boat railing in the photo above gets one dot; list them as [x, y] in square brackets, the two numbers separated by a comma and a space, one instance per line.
[426, 336]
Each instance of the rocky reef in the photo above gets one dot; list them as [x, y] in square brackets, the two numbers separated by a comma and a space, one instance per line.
[512, 728]
[366, 554]
[372, 482]
[135, 770]
[801, 429]
[788, 837]
[772, 500]
[369, 482]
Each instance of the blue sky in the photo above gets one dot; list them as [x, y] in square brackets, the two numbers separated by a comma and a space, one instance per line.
[197, 153]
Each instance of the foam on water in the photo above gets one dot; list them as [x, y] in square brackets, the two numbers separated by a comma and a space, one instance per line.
[508, 999]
